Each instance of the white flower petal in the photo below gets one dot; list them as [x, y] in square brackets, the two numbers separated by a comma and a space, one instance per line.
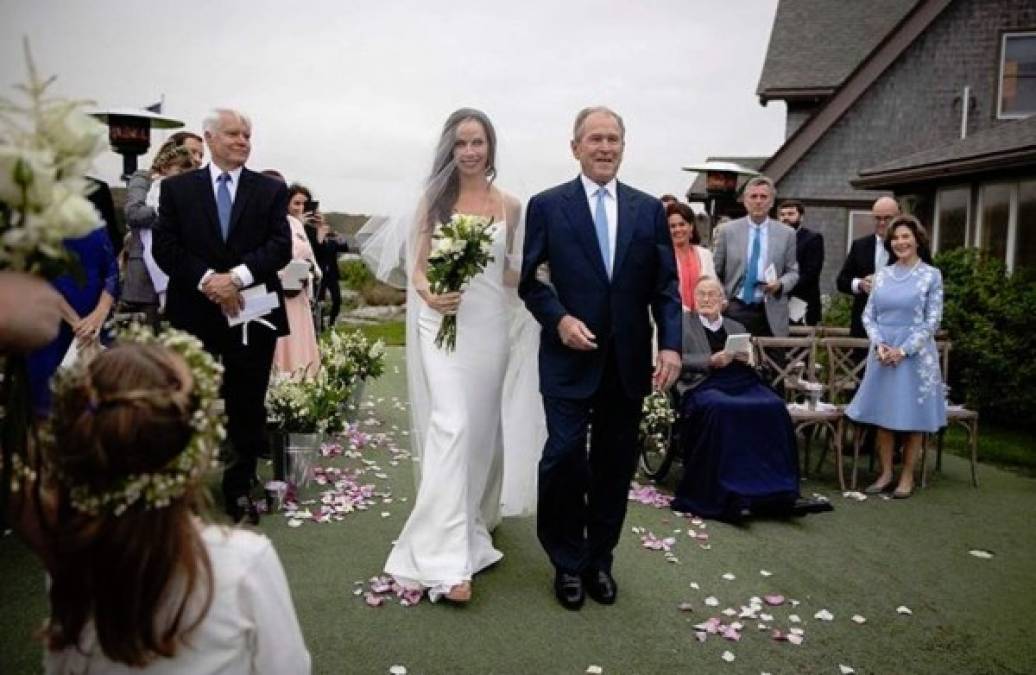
[594, 670]
[728, 657]
[856, 618]
[824, 615]
[712, 601]
[903, 609]
[845, 670]
[981, 553]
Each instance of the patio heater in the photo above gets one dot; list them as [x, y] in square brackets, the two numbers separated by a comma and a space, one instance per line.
[129, 132]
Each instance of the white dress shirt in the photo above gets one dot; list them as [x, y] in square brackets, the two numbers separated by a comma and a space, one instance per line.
[611, 208]
[712, 325]
[242, 271]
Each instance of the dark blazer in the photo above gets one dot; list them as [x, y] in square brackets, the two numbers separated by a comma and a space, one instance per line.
[696, 350]
[560, 232]
[187, 242]
[809, 250]
[858, 264]
[100, 196]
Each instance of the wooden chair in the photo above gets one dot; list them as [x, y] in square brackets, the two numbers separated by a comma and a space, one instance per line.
[961, 415]
[833, 331]
[802, 331]
[844, 372]
[786, 360]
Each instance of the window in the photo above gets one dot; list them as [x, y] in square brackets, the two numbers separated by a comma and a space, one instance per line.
[1025, 247]
[951, 218]
[994, 219]
[861, 223]
[1018, 75]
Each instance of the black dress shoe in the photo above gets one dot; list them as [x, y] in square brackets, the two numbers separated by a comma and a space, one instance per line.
[601, 586]
[569, 589]
[802, 507]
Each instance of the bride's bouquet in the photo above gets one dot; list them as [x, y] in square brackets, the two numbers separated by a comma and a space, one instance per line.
[460, 250]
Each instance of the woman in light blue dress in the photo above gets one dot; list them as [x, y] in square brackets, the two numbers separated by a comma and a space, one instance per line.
[902, 388]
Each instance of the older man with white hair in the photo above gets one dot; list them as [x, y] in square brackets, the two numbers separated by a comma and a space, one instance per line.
[222, 235]
[756, 262]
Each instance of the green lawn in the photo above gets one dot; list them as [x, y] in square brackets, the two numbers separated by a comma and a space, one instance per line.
[969, 615]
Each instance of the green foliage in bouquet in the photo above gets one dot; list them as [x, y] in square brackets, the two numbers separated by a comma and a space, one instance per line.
[991, 319]
[460, 250]
[305, 405]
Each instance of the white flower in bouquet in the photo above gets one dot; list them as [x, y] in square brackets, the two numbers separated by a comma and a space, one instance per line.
[26, 174]
[461, 249]
[71, 133]
[46, 145]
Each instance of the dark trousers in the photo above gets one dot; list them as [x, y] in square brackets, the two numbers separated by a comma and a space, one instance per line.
[583, 495]
[246, 375]
[332, 286]
[752, 317]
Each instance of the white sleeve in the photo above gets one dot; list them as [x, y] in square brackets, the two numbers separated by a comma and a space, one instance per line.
[856, 285]
[265, 599]
[244, 274]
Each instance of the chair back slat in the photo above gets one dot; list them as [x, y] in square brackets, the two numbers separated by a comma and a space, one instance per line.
[781, 356]
[844, 363]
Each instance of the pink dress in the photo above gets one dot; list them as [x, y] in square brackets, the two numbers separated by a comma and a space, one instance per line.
[298, 351]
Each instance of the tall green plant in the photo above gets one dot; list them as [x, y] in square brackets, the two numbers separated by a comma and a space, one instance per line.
[991, 319]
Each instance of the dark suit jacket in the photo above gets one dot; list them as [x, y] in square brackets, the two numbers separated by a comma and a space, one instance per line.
[858, 264]
[809, 250]
[101, 197]
[560, 232]
[187, 242]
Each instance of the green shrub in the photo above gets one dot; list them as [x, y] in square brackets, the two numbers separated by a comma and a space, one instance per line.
[355, 275]
[991, 319]
[838, 310]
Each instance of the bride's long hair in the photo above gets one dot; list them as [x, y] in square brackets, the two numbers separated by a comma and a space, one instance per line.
[443, 185]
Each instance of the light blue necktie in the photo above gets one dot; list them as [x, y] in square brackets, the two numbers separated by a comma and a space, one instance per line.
[601, 224]
[224, 204]
[748, 290]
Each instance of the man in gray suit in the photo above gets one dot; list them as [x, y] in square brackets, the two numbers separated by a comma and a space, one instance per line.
[755, 260]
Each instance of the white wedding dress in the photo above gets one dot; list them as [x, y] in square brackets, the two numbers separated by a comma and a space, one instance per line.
[460, 438]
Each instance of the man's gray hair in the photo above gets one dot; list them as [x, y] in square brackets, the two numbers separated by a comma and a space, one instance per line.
[755, 181]
[577, 128]
[212, 120]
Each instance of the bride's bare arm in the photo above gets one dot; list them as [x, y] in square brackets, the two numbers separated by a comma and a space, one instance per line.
[447, 303]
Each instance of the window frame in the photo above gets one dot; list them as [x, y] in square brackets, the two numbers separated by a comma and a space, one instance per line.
[1012, 217]
[967, 214]
[1000, 114]
[850, 235]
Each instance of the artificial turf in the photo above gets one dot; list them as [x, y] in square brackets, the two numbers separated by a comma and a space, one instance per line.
[969, 615]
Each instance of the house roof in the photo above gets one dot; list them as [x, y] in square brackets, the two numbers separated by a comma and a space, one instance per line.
[889, 48]
[698, 186]
[816, 44]
[1004, 146]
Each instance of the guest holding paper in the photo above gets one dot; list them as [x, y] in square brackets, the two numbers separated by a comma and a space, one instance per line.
[692, 260]
[740, 456]
[902, 389]
[222, 236]
[298, 352]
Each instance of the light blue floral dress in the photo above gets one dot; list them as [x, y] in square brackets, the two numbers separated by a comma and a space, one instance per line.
[903, 311]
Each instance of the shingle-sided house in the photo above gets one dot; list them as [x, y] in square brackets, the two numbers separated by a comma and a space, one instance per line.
[926, 99]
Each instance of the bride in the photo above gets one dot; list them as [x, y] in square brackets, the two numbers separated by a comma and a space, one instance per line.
[461, 421]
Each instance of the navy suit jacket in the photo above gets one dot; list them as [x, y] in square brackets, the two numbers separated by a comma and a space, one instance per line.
[560, 232]
[187, 242]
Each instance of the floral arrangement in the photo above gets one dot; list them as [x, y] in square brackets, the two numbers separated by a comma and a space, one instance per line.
[47, 145]
[460, 250]
[657, 416]
[305, 405]
[348, 357]
[158, 489]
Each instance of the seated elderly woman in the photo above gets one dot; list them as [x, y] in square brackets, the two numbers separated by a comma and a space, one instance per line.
[740, 456]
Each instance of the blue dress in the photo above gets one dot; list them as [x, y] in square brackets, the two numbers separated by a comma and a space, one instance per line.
[903, 311]
[82, 290]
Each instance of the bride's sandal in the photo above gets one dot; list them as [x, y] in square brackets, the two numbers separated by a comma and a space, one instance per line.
[459, 593]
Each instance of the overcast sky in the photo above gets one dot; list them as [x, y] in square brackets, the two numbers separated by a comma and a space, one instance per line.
[349, 96]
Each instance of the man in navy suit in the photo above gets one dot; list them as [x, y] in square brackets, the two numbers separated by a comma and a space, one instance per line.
[611, 264]
[222, 229]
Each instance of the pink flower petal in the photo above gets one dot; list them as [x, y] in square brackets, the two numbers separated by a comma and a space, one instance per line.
[774, 600]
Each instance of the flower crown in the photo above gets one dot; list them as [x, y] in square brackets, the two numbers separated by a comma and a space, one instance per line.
[160, 488]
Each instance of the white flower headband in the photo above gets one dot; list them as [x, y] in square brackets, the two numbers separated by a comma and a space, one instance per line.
[159, 488]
